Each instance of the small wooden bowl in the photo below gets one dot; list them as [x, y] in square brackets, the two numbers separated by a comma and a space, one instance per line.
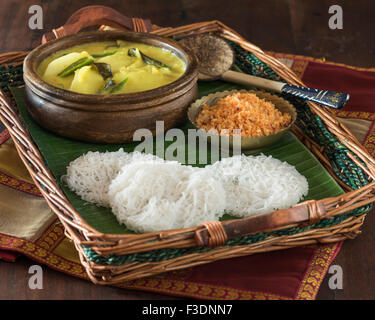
[247, 143]
[108, 118]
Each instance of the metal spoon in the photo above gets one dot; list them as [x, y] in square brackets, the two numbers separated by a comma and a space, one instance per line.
[216, 57]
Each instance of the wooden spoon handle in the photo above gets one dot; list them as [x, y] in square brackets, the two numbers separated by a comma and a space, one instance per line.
[248, 80]
[97, 15]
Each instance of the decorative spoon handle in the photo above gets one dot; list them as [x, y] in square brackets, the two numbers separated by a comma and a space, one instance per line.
[331, 99]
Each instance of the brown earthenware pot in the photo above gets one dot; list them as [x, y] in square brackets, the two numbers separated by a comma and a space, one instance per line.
[108, 118]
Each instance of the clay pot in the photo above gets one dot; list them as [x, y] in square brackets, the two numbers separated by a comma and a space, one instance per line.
[108, 118]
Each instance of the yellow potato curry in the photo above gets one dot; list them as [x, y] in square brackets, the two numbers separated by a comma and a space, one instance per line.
[111, 68]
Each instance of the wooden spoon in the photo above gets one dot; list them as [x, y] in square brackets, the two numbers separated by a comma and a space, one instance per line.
[216, 58]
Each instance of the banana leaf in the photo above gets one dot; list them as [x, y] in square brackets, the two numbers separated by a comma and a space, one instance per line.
[58, 152]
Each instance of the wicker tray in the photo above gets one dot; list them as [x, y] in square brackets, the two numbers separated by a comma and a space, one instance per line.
[114, 258]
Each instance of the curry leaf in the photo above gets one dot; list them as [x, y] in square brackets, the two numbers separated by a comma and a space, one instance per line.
[104, 69]
[110, 83]
[132, 52]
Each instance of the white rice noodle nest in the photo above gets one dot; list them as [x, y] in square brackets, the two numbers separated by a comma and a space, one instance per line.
[156, 196]
[258, 184]
[91, 174]
[147, 193]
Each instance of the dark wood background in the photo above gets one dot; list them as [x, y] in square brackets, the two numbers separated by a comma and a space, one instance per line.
[289, 26]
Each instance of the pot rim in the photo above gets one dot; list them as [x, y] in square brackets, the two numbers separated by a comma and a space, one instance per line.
[46, 90]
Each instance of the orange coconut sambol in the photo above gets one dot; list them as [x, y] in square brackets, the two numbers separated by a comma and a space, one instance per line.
[243, 111]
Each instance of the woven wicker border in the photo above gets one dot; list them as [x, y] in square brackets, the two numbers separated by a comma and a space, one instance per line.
[85, 236]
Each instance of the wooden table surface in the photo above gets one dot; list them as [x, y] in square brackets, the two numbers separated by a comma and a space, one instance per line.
[288, 26]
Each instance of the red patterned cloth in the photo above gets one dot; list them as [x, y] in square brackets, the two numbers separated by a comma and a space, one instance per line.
[8, 256]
